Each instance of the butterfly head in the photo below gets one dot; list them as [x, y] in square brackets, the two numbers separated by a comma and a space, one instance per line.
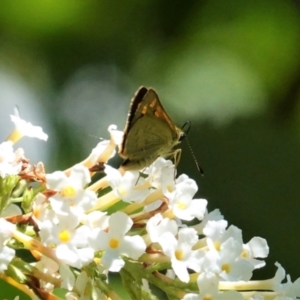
[183, 132]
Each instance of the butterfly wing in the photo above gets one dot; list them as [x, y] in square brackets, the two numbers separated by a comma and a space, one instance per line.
[149, 131]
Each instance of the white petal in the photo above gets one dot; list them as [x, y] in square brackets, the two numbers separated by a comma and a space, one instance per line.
[259, 247]
[119, 224]
[133, 246]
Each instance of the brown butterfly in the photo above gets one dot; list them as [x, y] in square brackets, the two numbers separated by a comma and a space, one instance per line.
[149, 132]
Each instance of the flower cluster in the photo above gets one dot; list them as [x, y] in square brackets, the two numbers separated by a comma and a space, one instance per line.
[137, 224]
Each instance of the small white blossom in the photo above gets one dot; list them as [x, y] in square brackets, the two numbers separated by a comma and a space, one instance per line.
[227, 262]
[153, 206]
[181, 253]
[67, 277]
[71, 240]
[288, 290]
[182, 203]
[125, 187]
[41, 211]
[71, 194]
[49, 267]
[161, 175]
[257, 247]
[83, 290]
[10, 161]
[216, 234]
[6, 230]
[115, 242]
[214, 215]
[157, 226]
[27, 129]
[6, 253]
[96, 219]
[98, 150]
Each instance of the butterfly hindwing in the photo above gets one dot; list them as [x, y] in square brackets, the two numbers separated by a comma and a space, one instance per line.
[147, 137]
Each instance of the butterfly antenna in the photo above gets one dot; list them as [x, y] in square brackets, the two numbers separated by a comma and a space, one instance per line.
[194, 157]
[186, 128]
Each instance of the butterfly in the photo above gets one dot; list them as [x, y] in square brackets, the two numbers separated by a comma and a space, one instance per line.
[149, 132]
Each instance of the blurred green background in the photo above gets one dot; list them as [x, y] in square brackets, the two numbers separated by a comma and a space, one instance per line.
[231, 67]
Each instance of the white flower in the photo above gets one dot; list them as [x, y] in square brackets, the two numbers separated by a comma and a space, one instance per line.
[105, 149]
[10, 161]
[98, 150]
[6, 253]
[71, 195]
[49, 267]
[157, 226]
[181, 253]
[41, 211]
[214, 215]
[161, 174]
[216, 233]
[153, 206]
[25, 128]
[227, 262]
[97, 222]
[71, 241]
[182, 203]
[96, 219]
[115, 243]
[257, 247]
[67, 277]
[82, 286]
[288, 290]
[6, 230]
[125, 187]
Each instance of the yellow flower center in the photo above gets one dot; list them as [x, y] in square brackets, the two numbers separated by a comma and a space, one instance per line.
[245, 254]
[122, 190]
[37, 213]
[179, 254]
[170, 188]
[217, 245]
[181, 205]
[68, 192]
[64, 236]
[114, 243]
[226, 268]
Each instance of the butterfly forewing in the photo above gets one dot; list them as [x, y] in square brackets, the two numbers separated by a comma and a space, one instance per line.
[149, 131]
[133, 113]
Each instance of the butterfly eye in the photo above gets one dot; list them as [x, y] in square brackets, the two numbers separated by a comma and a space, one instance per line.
[182, 136]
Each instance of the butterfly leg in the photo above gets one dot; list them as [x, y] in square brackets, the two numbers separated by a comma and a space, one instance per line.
[177, 156]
